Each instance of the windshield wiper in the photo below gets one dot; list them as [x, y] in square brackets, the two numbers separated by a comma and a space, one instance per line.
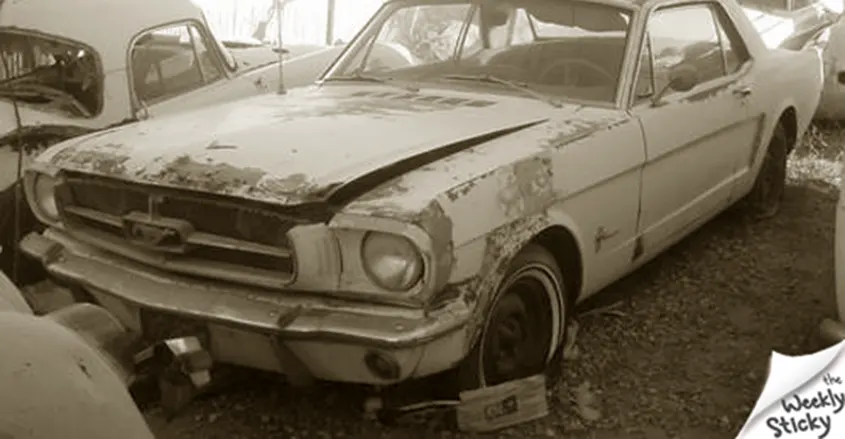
[360, 77]
[516, 85]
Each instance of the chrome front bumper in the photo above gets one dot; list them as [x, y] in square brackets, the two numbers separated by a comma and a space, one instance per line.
[284, 332]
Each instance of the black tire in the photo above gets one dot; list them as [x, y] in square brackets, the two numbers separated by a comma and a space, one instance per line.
[530, 299]
[766, 195]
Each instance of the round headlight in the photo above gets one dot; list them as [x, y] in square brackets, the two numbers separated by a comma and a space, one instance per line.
[391, 261]
[44, 194]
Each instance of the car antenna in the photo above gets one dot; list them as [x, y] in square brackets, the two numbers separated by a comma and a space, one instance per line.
[19, 173]
[280, 51]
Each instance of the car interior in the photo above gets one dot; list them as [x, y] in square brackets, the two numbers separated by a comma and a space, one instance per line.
[165, 64]
[51, 73]
[575, 49]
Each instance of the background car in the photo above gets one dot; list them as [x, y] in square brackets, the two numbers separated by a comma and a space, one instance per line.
[834, 329]
[789, 24]
[832, 104]
[475, 192]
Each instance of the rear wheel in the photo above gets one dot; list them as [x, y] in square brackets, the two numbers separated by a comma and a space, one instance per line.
[525, 325]
[766, 196]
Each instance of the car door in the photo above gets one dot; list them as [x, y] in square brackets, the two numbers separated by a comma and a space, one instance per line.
[695, 139]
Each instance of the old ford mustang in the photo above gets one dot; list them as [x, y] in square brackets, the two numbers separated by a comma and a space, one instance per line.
[395, 221]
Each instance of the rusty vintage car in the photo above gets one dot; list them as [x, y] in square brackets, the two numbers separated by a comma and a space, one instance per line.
[76, 67]
[394, 222]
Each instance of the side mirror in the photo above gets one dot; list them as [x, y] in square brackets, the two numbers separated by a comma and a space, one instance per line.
[681, 78]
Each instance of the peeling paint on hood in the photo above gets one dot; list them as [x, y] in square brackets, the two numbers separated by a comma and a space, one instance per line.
[293, 149]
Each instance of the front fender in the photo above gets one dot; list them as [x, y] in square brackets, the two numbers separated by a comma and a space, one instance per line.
[499, 249]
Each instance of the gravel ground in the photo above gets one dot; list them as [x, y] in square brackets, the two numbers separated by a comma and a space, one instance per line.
[681, 351]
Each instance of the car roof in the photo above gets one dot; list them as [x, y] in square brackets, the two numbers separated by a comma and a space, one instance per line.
[105, 25]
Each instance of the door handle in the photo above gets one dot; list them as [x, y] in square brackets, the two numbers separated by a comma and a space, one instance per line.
[742, 91]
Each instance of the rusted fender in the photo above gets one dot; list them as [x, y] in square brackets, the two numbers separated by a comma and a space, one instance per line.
[56, 385]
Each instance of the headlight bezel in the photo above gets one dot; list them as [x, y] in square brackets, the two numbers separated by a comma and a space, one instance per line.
[349, 230]
[30, 182]
[368, 265]
[44, 198]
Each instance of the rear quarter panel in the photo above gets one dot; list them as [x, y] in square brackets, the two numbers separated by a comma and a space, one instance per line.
[787, 79]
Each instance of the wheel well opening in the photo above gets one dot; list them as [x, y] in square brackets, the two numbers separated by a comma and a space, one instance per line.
[790, 124]
[561, 243]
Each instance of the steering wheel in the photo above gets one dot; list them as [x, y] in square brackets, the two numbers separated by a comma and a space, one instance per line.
[570, 79]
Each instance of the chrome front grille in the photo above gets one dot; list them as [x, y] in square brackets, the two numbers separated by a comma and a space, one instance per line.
[219, 238]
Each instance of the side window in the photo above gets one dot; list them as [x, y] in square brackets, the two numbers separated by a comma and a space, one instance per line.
[733, 48]
[645, 87]
[170, 61]
[211, 69]
[688, 36]
[522, 28]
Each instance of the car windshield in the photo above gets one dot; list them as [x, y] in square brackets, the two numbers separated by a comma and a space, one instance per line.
[50, 72]
[571, 50]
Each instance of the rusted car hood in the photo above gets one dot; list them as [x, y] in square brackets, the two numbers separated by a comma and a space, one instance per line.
[295, 148]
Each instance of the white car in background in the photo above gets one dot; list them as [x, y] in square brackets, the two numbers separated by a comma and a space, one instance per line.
[798, 24]
[832, 104]
[834, 330]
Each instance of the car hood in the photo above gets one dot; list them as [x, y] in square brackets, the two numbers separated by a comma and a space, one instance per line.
[299, 147]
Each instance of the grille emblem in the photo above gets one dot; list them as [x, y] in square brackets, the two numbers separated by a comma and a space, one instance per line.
[149, 229]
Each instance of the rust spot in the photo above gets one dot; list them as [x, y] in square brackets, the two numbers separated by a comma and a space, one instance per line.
[386, 190]
[94, 160]
[438, 225]
[298, 184]
[528, 188]
[464, 188]
[502, 246]
[211, 177]
[638, 249]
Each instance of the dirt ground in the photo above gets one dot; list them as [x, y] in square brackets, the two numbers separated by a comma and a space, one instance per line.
[681, 352]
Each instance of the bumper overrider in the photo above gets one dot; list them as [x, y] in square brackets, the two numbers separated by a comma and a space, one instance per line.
[298, 335]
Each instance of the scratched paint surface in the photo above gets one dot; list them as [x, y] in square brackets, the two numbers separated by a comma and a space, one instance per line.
[279, 149]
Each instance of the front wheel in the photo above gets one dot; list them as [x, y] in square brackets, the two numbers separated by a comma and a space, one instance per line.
[525, 325]
[766, 195]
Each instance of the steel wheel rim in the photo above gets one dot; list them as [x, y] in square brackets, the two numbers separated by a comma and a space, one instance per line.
[523, 332]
